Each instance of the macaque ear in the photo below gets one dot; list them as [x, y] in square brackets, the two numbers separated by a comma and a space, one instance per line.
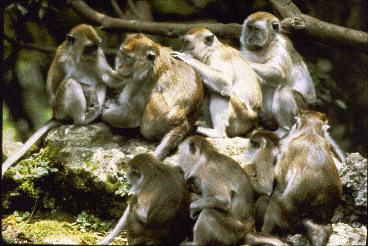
[255, 143]
[209, 40]
[70, 38]
[275, 25]
[151, 56]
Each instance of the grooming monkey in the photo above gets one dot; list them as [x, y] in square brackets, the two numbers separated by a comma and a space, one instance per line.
[287, 85]
[308, 186]
[163, 96]
[158, 212]
[76, 84]
[232, 105]
[222, 200]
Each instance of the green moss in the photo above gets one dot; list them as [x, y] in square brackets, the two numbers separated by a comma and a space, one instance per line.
[56, 228]
[50, 153]
[94, 166]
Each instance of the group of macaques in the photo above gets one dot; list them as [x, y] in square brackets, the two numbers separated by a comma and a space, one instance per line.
[208, 198]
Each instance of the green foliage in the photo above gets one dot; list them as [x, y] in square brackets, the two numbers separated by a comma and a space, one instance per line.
[34, 9]
[124, 187]
[31, 169]
[20, 216]
[87, 222]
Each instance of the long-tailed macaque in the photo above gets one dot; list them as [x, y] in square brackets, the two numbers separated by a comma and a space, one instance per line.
[308, 186]
[163, 96]
[234, 97]
[287, 85]
[76, 84]
[158, 212]
[222, 200]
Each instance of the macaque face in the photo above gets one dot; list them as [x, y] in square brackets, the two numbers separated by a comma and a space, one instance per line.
[197, 43]
[260, 30]
[136, 57]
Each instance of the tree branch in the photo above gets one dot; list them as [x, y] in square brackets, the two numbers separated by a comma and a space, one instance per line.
[117, 9]
[108, 23]
[315, 29]
[321, 31]
[49, 49]
[132, 7]
[42, 48]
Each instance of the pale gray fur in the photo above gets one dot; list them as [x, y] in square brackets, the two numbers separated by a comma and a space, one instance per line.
[227, 75]
[273, 57]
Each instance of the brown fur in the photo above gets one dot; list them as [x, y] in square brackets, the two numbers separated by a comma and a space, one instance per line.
[308, 184]
[221, 196]
[235, 98]
[163, 96]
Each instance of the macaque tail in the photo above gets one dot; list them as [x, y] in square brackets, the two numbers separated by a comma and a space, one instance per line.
[29, 143]
[122, 224]
[335, 147]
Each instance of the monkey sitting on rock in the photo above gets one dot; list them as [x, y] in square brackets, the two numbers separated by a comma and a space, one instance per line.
[222, 200]
[76, 84]
[234, 98]
[162, 96]
[286, 83]
[308, 186]
[158, 212]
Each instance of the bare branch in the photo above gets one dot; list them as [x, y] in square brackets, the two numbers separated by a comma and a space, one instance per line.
[49, 49]
[134, 10]
[311, 27]
[108, 23]
[318, 30]
[42, 48]
[117, 9]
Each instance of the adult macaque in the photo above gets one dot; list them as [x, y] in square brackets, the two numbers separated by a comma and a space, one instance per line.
[308, 183]
[158, 212]
[287, 85]
[234, 98]
[163, 96]
[221, 197]
[76, 84]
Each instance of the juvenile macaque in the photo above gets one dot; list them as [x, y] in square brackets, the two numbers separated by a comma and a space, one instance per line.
[162, 96]
[263, 148]
[308, 184]
[234, 97]
[222, 200]
[158, 212]
[287, 85]
[76, 84]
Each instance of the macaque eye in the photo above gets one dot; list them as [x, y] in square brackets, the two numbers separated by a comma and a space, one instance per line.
[192, 147]
[125, 55]
[89, 49]
[134, 174]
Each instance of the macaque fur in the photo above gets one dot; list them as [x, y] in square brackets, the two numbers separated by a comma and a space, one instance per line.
[76, 84]
[158, 211]
[162, 96]
[308, 184]
[222, 199]
[287, 85]
[234, 97]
